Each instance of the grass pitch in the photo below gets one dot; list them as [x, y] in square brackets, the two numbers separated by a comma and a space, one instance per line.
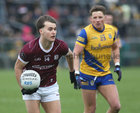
[71, 100]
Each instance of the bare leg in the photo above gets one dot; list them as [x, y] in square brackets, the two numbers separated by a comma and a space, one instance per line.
[32, 106]
[89, 98]
[110, 93]
[52, 107]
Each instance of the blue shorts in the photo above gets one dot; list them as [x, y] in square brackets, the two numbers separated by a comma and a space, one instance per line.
[92, 82]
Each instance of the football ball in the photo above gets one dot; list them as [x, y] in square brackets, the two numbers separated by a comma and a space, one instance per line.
[30, 79]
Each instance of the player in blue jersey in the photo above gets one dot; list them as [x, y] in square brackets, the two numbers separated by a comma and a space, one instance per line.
[42, 55]
[97, 43]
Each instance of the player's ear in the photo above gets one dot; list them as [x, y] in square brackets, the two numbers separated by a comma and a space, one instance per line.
[90, 19]
[40, 30]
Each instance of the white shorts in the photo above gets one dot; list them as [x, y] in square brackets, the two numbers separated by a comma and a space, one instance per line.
[44, 94]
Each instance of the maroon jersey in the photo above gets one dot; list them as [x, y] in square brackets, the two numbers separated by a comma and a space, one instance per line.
[43, 61]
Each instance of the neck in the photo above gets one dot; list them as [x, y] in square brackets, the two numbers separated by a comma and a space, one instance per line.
[99, 29]
[46, 44]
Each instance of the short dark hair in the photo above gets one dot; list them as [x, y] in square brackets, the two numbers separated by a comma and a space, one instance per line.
[108, 12]
[42, 19]
[97, 8]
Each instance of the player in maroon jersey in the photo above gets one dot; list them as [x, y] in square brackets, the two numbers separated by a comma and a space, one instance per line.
[42, 55]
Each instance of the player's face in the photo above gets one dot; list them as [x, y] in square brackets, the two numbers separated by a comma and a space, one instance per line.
[108, 19]
[97, 19]
[48, 32]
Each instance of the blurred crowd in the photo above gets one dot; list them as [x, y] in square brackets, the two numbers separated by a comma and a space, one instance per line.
[72, 15]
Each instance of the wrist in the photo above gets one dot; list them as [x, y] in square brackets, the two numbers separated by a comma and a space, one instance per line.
[117, 64]
[71, 71]
[77, 72]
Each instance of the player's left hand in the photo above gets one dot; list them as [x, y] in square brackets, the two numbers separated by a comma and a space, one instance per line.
[118, 71]
[72, 77]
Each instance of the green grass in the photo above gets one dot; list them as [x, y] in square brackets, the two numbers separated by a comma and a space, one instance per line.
[71, 100]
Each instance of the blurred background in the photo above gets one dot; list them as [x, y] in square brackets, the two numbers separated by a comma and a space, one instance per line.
[17, 24]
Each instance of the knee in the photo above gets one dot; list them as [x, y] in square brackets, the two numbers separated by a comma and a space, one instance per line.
[90, 109]
[116, 107]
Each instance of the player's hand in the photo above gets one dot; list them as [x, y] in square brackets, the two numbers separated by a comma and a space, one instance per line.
[77, 84]
[28, 91]
[72, 77]
[118, 71]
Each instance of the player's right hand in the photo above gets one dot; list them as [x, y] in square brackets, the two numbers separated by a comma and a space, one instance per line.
[28, 91]
[77, 84]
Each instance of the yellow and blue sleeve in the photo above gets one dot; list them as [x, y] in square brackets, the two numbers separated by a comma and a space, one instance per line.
[82, 38]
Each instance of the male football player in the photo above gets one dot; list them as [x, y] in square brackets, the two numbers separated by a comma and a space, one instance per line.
[109, 20]
[97, 42]
[42, 55]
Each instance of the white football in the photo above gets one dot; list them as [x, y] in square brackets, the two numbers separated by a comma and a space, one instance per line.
[30, 79]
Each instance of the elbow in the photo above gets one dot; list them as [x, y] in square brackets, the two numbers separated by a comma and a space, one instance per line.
[70, 56]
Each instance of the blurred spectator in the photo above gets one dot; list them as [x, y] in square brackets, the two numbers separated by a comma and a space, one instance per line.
[54, 12]
[117, 11]
[126, 10]
[126, 15]
[75, 17]
[5, 30]
[112, 1]
[27, 34]
[71, 14]
[37, 13]
[22, 10]
[135, 12]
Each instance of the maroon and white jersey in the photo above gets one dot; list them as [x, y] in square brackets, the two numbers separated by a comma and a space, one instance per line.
[43, 61]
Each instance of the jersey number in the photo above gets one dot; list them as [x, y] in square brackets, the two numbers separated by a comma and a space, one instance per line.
[47, 58]
[102, 37]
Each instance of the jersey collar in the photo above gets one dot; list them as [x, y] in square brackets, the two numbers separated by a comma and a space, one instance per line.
[46, 51]
[97, 29]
